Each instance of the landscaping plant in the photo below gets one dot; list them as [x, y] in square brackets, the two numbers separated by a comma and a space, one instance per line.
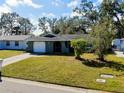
[79, 46]
[103, 34]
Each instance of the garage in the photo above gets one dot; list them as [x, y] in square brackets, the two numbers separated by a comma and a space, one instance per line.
[39, 47]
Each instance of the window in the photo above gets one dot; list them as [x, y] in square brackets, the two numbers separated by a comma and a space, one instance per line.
[7, 43]
[16, 43]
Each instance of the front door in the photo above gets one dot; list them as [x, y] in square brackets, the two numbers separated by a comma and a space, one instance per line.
[57, 47]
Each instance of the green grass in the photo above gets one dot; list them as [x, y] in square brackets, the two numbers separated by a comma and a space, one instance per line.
[66, 70]
[9, 53]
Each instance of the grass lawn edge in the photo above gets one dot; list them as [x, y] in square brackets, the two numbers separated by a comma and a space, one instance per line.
[60, 84]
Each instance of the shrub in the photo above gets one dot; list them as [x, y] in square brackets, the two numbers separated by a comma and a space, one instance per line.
[79, 46]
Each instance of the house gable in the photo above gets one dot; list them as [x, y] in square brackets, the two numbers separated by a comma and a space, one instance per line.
[49, 35]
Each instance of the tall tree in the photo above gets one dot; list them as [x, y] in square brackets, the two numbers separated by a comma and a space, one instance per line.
[7, 20]
[52, 23]
[115, 10]
[63, 25]
[12, 23]
[42, 24]
[89, 11]
[73, 25]
[25, 25]
[103, 35]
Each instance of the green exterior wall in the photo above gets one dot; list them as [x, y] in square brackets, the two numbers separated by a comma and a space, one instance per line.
[50, 47]
[64, 48]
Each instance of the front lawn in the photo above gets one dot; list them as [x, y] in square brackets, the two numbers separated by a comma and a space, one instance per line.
[66, 70]
[9, 53]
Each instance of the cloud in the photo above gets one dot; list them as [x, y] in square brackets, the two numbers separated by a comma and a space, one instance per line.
[65, 14]
[7, 6]
[14, 3]
[55, 3]
[50, 15]
[99, 1]
[58, 3]
[73, 3]
[73, 14]
[4, 9]
[33, 19]
[30, 3]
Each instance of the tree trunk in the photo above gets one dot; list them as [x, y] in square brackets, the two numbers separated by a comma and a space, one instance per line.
[77, 57]
[101, 57]
[25, 32]
[77, 54]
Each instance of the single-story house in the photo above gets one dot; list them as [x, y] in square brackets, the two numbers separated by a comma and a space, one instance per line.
[18, 42]
[51, 43]
[48, 43]
[118, 44]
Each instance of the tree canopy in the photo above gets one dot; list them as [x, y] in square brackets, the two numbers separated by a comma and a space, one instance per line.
[103, 33]
[12, 23]
[62, 25]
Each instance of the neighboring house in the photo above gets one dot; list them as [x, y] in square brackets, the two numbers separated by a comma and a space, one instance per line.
[51, 43]
[48, 43]
[118, 44]
[18, 42]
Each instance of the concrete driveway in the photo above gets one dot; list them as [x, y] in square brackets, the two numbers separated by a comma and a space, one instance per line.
[17, 58]
[10, 85]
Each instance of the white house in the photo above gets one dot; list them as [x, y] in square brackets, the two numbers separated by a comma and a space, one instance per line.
[18, 42]
[48, 43]
[118, 44]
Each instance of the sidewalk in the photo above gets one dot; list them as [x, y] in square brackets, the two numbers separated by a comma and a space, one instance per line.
[119, 53]
[10, 85]
[17, 58]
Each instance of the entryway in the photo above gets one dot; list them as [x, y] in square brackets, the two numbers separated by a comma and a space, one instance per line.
[57, 47]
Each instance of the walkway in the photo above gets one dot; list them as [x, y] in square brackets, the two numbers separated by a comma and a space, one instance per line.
[119, 53]
[17, 58]
[10, 85]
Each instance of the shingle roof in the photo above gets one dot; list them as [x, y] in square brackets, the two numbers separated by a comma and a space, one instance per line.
[66, 37]
[74, 36]
[15, 37]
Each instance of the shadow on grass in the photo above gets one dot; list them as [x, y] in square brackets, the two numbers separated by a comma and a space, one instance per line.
[54, 54]
[99, 64]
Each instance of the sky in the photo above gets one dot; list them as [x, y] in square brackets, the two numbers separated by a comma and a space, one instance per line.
[34, 9]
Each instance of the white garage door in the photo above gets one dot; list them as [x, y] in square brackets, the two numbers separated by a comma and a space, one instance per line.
[39, 47]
